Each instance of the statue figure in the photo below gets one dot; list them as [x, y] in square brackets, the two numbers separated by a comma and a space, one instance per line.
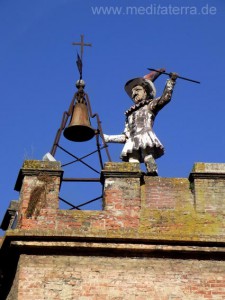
[141, 143]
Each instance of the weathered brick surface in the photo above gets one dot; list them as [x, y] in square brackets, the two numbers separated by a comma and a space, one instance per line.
[209, 194]
[167, 193]
[134, 205]
[208, 187]
[156, 238]
[39, 184]
[108, 278]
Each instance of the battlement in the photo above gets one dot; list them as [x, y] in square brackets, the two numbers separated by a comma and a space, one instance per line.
[134, 205]
[156, 238]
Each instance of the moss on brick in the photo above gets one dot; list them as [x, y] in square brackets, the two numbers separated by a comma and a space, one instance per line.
[122, 167]
[181, 223]
[153, 208]
[38, 164]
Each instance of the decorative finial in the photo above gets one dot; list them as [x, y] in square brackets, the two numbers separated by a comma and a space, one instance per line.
[79, 61]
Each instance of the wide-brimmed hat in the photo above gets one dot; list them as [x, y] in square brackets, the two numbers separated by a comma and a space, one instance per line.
[148, 85]
[146, 81]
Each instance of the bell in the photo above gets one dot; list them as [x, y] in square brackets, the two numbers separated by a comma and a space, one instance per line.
[79, 129]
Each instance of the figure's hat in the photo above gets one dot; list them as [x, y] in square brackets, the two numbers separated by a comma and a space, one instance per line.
[147, 81]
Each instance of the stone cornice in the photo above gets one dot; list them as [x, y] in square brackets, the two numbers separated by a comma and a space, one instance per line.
[108, 247]
[206, 175]
[35, 168]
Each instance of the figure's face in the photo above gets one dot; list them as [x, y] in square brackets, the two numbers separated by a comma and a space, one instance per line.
[138, 93]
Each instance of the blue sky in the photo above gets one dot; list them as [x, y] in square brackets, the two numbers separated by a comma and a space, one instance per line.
[38, 75]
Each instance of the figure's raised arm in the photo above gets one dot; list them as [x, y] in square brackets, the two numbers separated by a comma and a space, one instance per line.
[160, 102]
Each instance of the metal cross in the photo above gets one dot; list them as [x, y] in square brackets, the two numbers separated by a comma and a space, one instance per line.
[81, 44]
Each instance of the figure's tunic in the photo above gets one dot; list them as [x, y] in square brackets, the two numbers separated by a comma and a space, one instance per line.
[139, 123]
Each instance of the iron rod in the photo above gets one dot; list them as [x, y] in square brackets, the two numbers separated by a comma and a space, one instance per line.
[80, 160]
[85, 203]
[93, 152]
[184, 78]
[73, 206]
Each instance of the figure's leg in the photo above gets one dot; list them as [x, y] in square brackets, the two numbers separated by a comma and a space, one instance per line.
[134, 157]
[151, 165]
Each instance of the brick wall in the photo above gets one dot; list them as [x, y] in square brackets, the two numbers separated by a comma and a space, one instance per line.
[156, 238]
[118, 278]
[134, 204]
[39, 184]
[209, 185]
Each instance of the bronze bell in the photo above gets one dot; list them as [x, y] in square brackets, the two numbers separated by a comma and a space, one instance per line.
[79, 129]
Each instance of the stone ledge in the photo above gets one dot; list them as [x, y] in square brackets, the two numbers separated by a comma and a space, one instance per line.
[207, 171]
[40, 164]
[35, 167]
[209, 168]
[110, 247]
[112, 236]
[204, 175]
[118, 246]
[9, 214]
[121, 170]
[122, 167]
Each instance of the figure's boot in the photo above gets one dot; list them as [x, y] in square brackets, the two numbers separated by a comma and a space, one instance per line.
[134, 157]
[151, 166]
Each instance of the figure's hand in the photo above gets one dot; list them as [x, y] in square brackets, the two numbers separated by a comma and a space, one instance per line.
[162, 70]
[173, 76]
